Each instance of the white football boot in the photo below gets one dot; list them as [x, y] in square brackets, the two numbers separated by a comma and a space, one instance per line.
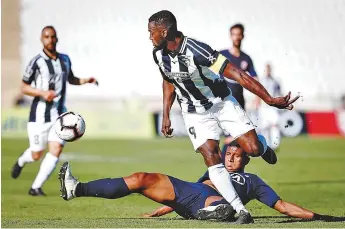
[68, 183]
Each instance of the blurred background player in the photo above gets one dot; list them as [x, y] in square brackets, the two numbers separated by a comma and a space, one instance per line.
[241, 60]
[48, 71]
[268, 117]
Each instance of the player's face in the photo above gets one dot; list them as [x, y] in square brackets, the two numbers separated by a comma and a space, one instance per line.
[236, 36]
[157, 34]
[234, 159]
[49, 39]
[268, 70]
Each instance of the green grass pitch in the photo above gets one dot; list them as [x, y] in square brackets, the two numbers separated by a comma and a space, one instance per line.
[309, 172]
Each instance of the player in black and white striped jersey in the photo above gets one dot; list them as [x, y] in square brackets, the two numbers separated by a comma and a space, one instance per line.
[45, 79]
[191, 70]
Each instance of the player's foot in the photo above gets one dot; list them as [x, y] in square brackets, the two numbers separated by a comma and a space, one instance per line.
[68, 183]
[36, 192]
[223, 212]
[270, 156]
[244, 218]
[16, 170]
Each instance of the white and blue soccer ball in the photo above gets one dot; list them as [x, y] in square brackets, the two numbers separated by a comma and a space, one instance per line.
[70, 126]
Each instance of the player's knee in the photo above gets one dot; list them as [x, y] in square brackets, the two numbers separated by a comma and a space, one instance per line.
[138, 179]
[252, 148]
[55, 149]
[210, 154]
[37, 155]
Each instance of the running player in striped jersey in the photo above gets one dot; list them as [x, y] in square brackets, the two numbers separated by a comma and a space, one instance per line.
[45, 79]
[191, 70]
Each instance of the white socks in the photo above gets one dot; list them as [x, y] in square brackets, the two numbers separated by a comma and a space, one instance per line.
[220, 177]
[48, 164]
[26, 157]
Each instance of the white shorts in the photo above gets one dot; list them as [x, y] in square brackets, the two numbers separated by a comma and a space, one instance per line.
[40, 134]
[226, 117]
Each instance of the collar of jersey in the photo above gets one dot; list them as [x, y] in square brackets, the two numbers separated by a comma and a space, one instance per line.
[181, 47]
[45, 56]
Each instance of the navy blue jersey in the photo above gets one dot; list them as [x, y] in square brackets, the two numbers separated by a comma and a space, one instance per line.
[243, 62]
[249, 187]
[190, 197]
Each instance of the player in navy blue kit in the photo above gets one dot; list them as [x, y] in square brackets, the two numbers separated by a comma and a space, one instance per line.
[240, 59]
[190, 200]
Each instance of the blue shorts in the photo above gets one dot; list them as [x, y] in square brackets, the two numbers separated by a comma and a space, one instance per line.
[190, 197]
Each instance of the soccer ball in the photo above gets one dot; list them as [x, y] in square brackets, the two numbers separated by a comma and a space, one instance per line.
[70, 126]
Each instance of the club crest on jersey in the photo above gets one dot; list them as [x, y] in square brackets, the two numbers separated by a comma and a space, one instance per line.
[185, 60]
[238, 178]
[244, 65]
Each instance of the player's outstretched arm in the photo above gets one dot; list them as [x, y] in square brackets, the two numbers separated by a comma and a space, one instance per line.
[169, 95]
[80, 81]
[254, 86]
[159, 212]
[294, 210]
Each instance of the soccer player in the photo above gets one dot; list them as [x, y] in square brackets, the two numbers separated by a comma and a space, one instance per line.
[242, 61]
[269, 116]
[45, 79]
[190, 200]
[190, 70]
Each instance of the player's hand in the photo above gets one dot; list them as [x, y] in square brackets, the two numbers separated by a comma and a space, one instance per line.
[93, 80]
[48, 95]
[148, 215]
[283, 102]
[166, 130]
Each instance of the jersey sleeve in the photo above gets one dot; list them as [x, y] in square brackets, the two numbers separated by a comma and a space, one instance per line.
[70, 74]
[251, 68]
[30, 71]
[264, 193]
[204, 55]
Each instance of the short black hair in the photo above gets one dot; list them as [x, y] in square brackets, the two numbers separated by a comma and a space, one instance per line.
[48, 27]
[166, 18]
[234, 143]
[238, 26]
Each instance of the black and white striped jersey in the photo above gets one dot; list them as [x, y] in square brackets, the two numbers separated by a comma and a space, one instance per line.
[194, 70]
[46, 74]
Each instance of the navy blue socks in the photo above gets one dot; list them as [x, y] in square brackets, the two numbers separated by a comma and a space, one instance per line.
[104, 188]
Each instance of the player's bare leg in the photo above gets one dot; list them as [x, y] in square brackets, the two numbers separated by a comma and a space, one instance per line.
[220, 177]
[48, 165]
[256, 146]
[154, 186]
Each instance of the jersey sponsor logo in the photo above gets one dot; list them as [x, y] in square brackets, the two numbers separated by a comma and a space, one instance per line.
[244, 65]
[238, 178]
[178, 76]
